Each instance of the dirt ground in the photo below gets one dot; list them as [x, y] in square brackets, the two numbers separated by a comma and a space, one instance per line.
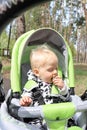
[6, 75]
[6, 82]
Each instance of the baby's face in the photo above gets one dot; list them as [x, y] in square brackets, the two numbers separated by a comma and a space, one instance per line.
[49, 70]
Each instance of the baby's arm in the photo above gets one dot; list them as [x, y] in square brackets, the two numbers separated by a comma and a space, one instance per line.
[60, 84]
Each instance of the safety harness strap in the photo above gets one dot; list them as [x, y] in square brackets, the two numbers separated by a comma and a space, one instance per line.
[31, 84]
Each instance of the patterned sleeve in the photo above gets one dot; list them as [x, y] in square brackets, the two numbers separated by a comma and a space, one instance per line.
[26, 93]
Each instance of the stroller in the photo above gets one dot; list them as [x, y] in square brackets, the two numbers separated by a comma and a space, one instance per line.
[55, 115]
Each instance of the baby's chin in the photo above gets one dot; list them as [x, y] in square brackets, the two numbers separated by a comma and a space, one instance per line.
[48, 82]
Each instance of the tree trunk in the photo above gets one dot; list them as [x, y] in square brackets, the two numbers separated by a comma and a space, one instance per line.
[20, 26]
[84, 2]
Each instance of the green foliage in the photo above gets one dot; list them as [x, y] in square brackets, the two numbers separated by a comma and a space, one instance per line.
[4, 41]
[33, 18]
[80, 21]
[63, 16]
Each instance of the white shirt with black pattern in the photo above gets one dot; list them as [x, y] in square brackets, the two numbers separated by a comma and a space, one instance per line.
[44, 87]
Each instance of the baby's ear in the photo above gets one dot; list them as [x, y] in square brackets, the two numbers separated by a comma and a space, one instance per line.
[36, 72]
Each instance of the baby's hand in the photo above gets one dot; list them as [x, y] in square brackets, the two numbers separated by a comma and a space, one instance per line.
[58, 82]
[25, 101]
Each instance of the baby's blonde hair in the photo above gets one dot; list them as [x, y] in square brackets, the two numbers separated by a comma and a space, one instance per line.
[39, 54]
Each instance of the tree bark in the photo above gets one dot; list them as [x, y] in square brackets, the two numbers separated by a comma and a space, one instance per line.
[20, 26]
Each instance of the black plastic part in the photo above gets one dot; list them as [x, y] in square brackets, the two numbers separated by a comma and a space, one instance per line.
[72, 91]
[2, 93]
[13, 110]
[84, 96]
[12, 95]
[16, 95]
[71, 122]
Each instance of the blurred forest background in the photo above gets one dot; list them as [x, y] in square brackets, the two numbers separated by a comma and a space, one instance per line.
[68, 17]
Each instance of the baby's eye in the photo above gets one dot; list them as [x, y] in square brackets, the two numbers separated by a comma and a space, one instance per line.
[50, 69]
[56, 68]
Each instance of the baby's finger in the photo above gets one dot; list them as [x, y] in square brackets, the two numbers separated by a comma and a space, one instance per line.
[22, 102]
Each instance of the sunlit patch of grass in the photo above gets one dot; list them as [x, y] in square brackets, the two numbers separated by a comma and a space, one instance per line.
[81, 72]
[6, 68]
[80, 84]
[80, 79]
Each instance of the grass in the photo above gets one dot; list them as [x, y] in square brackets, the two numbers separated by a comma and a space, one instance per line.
[6, 68]
[81, 72]
[80, 78]
[6, 64]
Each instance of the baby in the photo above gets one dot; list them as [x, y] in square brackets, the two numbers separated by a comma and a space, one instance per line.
[44, 65]
[44, 73]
